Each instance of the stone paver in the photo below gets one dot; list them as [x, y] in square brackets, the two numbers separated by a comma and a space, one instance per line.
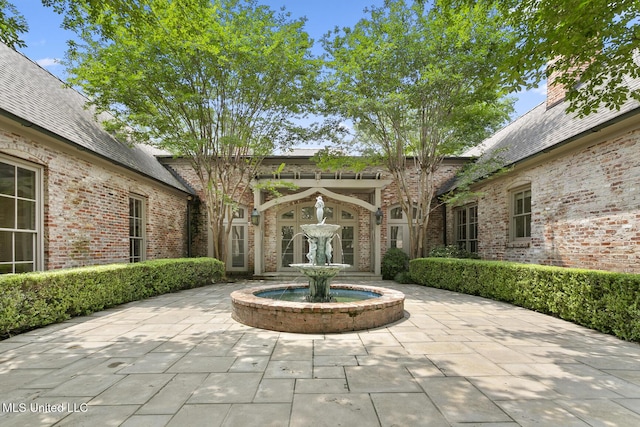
[180, 359]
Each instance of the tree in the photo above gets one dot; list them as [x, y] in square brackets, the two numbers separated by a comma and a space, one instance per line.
[217, 82]
[12, 24]
[418, 84]
[590, 45]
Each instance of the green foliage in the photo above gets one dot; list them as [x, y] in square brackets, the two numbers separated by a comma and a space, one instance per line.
[604, 301]
[37, 299]
[404, 277]
[413, 77]
[451, 251]
[12, 24]
[394, 261]
[419, 82]
[221, 82]
[591, 45]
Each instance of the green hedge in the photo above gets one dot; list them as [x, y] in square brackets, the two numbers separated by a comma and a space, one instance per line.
[605, 301]
[33, 300]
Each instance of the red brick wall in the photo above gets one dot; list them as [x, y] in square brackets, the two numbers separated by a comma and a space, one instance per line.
[86, 206]
[585, 209]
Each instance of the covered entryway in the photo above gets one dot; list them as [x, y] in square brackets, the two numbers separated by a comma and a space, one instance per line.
[350, 201]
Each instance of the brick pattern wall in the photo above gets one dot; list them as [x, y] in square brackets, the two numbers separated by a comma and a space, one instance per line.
[86, 207]
[585, 210]
[556, 91]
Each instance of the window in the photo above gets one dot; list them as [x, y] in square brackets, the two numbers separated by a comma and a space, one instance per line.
[19, 217]
[348, 245]
[399, 228]
[466, 228]
[136, 230]
[237, 253]
[521, 214]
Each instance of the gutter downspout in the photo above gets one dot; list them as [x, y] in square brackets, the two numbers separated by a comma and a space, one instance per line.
[189, 228]
[444, 224]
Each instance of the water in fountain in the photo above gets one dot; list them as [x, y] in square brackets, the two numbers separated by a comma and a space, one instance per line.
[320, 270]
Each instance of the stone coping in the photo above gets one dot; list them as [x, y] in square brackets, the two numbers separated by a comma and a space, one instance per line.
[309, 317]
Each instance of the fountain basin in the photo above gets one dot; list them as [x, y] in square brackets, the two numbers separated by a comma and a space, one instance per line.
[309, 317]
[320, 230]
[319, 279]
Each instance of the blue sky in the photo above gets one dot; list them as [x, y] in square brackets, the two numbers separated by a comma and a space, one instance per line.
[46, 41]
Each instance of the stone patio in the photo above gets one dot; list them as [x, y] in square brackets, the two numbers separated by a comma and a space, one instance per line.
[180, 360]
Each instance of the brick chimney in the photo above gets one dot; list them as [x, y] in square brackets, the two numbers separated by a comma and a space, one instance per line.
[556, 91]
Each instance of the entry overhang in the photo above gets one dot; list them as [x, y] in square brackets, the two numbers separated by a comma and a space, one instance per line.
[313, 190]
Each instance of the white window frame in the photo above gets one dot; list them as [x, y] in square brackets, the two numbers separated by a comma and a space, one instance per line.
[143, 228]
[402, 224]
[469, 241]
[240, 220]
[37, 232]
[514, 215]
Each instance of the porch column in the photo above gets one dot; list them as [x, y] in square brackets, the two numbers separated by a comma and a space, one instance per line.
[377, 233]
[258, 259]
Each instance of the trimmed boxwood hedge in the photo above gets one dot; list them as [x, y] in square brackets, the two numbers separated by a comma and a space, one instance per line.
[32, 300]
[605, 301]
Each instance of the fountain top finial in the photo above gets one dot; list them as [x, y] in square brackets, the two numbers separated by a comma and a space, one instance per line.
[320, 210]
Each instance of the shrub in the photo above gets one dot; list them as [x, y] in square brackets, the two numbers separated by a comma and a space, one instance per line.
[605, 301]
[32, 300]
[394, 261]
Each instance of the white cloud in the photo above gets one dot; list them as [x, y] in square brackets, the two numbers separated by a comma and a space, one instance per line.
[48, 62]
[542, 89]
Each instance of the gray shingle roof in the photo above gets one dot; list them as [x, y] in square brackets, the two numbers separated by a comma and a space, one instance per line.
[542, 129]
[31, 94]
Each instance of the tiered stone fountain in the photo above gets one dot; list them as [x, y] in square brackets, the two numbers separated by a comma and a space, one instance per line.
[319, 269]
[320, 307]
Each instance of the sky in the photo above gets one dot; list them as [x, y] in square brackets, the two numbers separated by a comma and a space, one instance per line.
[46, 41]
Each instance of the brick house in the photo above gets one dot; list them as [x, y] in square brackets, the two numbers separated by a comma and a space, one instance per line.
[71, 194]
[571, 196]
[364, 203]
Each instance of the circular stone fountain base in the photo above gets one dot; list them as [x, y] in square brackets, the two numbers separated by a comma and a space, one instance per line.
[310, 318]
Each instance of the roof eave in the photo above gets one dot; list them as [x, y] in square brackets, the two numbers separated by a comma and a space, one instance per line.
[562, 143]
[40, 129]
